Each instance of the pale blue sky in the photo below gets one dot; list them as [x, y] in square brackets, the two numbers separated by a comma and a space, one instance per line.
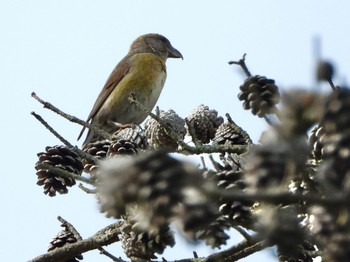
[65, 49]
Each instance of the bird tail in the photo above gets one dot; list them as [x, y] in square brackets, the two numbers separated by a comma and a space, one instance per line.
[90, 138]
[81, 132]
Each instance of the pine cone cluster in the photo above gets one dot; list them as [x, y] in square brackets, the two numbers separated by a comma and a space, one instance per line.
[259, 94]
[154, 181]
[158, 137]
[204, 122]
[105, 148]
[58, 157]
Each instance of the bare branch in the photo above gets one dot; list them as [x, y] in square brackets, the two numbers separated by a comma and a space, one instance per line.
[242, 64]
[71, 118]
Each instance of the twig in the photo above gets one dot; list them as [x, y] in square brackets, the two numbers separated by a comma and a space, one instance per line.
[79, 152]
[107, 254]
[203, 163]
[330, 81]
[215, 164]
[87, 190]
[242, 64]
[268, 121]
[106, 236]
[64, 173]
[243, 233]
[71, 118]
[241, 250]
[53, 131]
[246, 251]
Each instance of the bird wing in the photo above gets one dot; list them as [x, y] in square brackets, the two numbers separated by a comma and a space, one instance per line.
[119, 72]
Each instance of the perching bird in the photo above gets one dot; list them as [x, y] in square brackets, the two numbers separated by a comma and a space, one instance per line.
[141, 73]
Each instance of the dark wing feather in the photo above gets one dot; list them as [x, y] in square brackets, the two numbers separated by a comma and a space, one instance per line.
[121, 70]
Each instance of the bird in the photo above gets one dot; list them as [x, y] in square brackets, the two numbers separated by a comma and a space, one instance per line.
[141, 74]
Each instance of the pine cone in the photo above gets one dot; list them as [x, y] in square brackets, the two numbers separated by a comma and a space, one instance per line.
[204, 122]
[133, 133]
[158, 137]
[122, 147]
[259, 94]
[140, 245]
[231, 134]
[60, 157]
[324, 71]
[214, 234]
[63, 238]
[98, 150]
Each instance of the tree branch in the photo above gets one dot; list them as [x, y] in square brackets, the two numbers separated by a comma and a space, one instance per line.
[71, 118]
[104, 237]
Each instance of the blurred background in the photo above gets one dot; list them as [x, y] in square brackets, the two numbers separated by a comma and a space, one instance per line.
[65, 50]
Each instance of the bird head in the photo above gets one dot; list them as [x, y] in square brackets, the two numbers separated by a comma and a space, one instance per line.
[154, 44]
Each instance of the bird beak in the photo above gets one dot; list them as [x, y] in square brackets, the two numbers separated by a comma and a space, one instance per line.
[174, 53]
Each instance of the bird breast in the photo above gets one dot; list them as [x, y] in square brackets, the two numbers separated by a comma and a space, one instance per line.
[145, 81]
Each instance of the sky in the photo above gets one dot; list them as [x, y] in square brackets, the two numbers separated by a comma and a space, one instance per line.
[64, 50]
